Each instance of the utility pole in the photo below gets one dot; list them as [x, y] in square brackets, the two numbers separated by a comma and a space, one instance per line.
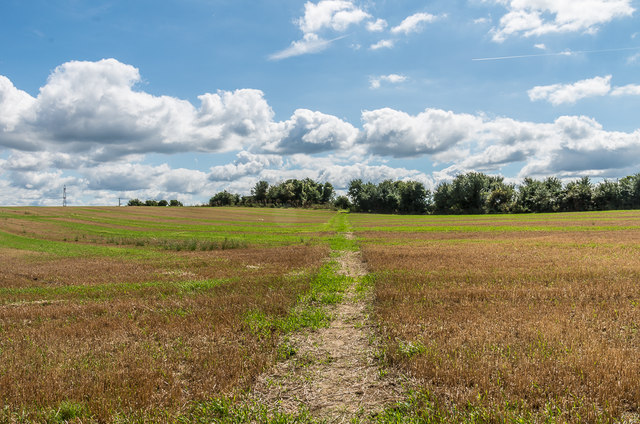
[64, 196]
[119, 202]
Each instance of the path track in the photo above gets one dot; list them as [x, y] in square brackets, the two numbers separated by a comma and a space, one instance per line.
[334, 373]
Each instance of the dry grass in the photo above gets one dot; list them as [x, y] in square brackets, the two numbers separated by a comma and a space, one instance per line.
[544, 328]
[140, 335]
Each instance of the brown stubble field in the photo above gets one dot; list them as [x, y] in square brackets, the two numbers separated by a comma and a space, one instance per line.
[529, 324]
[140, 330]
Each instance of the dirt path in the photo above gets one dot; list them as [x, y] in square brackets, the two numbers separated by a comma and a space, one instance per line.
[334, 373]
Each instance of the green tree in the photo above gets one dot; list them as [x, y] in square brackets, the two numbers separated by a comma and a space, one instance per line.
[327, 193]
[224, 198]
[578, 195]
[606, 195]
[342, 202]
[260, 191]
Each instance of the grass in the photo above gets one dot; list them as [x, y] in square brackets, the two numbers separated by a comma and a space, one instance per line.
[138, 315]
[98, 333]
[505, 326]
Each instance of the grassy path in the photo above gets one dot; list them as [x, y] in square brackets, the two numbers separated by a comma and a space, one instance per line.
[332, 373]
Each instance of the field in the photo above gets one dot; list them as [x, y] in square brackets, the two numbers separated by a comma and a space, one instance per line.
[513, 318]
[145, 314]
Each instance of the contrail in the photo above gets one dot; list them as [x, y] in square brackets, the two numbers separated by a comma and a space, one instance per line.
[565, 53]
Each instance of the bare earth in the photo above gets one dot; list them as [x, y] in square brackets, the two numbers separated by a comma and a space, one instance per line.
[334, 373]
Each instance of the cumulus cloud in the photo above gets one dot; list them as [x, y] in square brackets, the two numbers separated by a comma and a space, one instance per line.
[382, 44]
[312, 132]
[335, 14]
[326, 15]
[413, 23]
[92, 110]
[389, 132]
[377, 25]
[90, 128]
[627, 90]
[376, 82]
[558, 94]
[536, 17]
[247, 164]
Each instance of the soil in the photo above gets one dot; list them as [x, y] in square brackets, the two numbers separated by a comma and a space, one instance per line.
[334, 373]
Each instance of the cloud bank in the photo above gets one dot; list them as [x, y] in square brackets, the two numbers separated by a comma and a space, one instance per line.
[91, 127]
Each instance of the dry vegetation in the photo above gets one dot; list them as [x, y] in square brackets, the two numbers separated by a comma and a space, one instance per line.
[511, 325]
[138, 331]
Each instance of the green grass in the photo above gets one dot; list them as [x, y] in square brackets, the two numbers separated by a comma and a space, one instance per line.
[326, 288]
[106, 291]
[158, 229]
[70, 249]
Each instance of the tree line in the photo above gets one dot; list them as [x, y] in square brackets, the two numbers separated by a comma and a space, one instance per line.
[475, 192]
[293, 192]
[138, 202]
[470, 193]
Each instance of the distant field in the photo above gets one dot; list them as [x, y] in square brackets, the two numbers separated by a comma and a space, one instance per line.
[513, 318]
[144, 314]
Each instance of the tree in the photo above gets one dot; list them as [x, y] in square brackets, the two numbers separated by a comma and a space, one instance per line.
[606, 195]
[414, 197]
[163, 203]
[259, 191]
[540, 196]
[224, 198]
[442, 200]
[578, 195]
[135, 202]
[630, 192]
[342, 202]
[501, 197]
[327, 193]
[175, 202]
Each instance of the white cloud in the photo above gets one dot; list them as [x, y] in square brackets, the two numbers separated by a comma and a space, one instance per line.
[310, 43]
[382, 44]
[335, 14]
[90, 128]
[375, 82]
[389, 132]
[247, 164]
[14, 104]
[311, 132]
[558, 94]
[539, 17]
[635, 58]
[377, 25]
[540, 46]
[481, 21]
[326, 15]
[413, 23]
[627, 90]
[91, 110]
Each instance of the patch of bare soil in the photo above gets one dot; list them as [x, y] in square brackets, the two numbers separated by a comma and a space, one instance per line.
[334, 373]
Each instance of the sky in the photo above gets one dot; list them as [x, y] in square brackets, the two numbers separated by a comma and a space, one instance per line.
[180, 99]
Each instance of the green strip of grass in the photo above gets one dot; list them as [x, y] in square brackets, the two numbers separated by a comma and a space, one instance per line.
[68, 249]
[102, 291]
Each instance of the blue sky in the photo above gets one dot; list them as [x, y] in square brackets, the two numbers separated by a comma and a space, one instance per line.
[181, 99]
